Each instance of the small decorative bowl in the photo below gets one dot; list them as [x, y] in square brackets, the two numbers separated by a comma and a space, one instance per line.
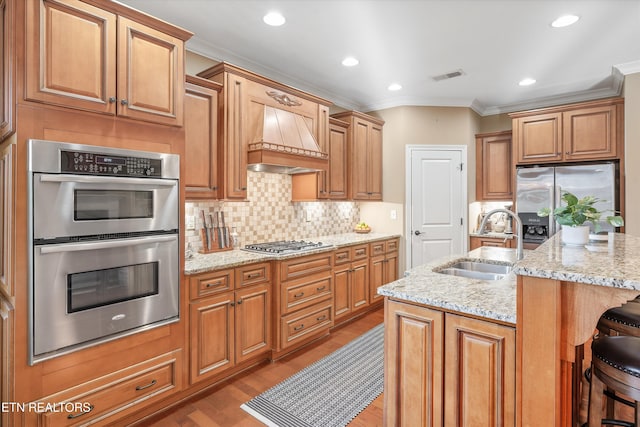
[362, 230]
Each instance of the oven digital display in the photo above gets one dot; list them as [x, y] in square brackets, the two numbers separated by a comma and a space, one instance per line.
[104, 160]
[86, 163]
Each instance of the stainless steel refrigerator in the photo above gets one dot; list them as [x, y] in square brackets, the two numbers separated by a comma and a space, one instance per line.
[541, 186]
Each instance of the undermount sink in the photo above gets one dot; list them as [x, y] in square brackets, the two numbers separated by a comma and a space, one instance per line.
[477, 270]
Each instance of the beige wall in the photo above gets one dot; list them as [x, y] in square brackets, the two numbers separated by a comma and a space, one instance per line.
[632, 152]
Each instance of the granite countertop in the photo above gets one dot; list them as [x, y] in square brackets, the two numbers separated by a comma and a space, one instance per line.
[614, 264]
[201, 263]
[495, 299]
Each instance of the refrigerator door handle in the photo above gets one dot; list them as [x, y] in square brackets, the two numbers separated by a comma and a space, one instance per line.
[556, 204]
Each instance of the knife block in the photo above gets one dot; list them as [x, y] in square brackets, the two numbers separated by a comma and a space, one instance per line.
[213, 240]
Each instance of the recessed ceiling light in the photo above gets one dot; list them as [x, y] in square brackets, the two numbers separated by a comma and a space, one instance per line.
[565, 21]
[527, 82]
[394, 86]
[350, 61]
[275, 19]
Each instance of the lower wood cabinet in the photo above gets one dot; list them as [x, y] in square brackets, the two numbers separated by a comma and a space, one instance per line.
[102, 400]
[229, 326]
[351, 280]
[497, 242]
[384, 266]
[472, 384]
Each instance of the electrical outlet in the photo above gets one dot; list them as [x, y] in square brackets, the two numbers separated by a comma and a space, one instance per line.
[394, 214]
[190, 221]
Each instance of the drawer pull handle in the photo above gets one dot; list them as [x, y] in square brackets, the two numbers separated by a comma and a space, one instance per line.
[297, 328]
[239, 301]
[142, 387]
[321, 288]
[298, 295]
[73, 416]
[360, 252]
[252, 275]
[212, 284]
[321, 318]
[342, 256]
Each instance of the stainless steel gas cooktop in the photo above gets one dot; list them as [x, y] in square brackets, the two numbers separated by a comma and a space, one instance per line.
[285, 247]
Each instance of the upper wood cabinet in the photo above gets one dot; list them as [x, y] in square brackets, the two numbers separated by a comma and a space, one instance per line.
[365, 155]
[7, 31]
[578, 132]
[84, 56]
[494, 166]
[201, 138]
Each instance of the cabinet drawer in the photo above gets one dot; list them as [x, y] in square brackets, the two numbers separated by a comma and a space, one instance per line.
[304, 266]
[211, 283]
[305, 292]
[96, 400]
[342, 256]
[377, 248]
[359, 252]
[392, 245]
[303, 324]
[253, 274]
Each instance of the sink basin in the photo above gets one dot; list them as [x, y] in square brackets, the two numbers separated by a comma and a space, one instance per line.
[477, 270]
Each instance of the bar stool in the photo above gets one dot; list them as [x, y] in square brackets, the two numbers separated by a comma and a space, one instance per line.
[624, 320]
[615, 364]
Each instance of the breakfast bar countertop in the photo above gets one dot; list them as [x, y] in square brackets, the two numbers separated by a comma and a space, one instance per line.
[489, 299]
[613, 264]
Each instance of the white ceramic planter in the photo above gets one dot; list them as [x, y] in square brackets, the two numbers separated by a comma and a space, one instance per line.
[576, 236]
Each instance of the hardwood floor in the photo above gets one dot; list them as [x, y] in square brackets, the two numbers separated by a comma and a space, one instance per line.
[221, 406]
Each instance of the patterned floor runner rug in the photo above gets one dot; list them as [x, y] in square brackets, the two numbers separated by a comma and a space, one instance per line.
[330, 392]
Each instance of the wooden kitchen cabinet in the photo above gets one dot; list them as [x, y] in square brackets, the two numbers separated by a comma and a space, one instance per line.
[334, 183]
[111, 396]
[494, 166]
[7, 93]
[230, 318]
[7, 220]
[472, 385]
[577, 132]
[94, 56]
[201, 138]
[304, 301]
[351, 281]
[365, 155]
[496, 242]
[383, 265]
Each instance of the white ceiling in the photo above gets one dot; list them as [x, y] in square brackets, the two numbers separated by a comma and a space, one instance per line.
[496, 43]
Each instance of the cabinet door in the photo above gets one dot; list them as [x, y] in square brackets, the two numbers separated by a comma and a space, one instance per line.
[539, 138]
[391, 267]
[480, 373]
[359, 160]
[201, 142]
[590, 133]
[71, 55]
[359, 284]
[234, 149]
[375, 163]
[494, 167]
[413, 352]
[376, 277]
[150, 74]
[7, 33]
[341, 296]
[338, 165]
[212, 336]
[7, 219]
[253, 324]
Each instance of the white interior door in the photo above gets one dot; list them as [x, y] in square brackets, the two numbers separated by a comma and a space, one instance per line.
[436, 202]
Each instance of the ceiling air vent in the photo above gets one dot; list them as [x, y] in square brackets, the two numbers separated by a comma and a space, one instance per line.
[446, 76]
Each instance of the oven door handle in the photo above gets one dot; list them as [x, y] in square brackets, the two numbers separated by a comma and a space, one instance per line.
[107, 180]
[105, 244]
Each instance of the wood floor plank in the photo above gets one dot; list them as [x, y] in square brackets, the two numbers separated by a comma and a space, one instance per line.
[221, 406]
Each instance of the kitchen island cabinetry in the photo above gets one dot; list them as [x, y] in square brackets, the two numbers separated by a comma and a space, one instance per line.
[111, 63]
[201, 138]
[365, 155]
[384, 266]
[494, 166]
[578, 132]
[304, 301]
[351, 281]
[230, 318]
[7, 34]
[474, 381]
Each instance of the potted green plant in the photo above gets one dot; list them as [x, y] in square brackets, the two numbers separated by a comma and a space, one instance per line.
[575, 214]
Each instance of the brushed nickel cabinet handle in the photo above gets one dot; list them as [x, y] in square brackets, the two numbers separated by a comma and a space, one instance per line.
[124, 102]
[112, 99]
[252, 275]
[73, 416]
[321, 318]
[298, 328]
[239, 301]
[298, 295]
[212, 284]
[321, 288]
[142, 387]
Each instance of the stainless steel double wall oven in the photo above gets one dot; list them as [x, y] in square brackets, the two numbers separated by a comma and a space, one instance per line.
[104, 253]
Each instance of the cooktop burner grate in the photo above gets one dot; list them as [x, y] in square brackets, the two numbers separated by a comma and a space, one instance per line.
[284, 246]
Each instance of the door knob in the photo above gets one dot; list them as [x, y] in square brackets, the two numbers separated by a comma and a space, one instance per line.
[417, 232]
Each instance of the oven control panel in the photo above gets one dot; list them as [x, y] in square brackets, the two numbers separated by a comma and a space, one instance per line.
[79, 162]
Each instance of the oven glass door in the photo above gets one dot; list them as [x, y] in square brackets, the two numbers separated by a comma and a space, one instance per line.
[85, 293]
[88, 205]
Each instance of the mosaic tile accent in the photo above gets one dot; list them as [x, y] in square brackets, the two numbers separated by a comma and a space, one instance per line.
[270, 215]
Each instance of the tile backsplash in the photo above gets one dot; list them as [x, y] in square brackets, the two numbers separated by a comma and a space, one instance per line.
[268, 214]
